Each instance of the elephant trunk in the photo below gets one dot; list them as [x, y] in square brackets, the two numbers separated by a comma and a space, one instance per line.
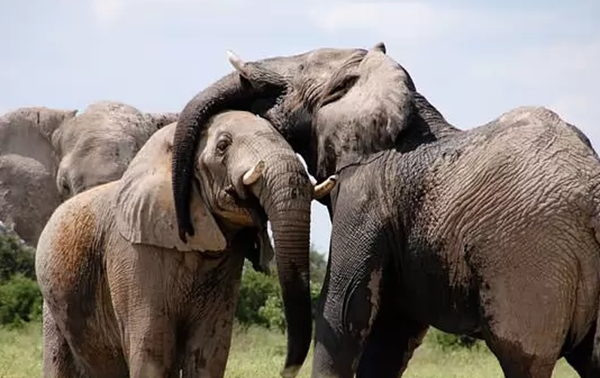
[230, 92]
[286, 198]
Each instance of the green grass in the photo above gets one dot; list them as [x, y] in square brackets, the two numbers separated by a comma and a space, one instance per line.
[260, 353]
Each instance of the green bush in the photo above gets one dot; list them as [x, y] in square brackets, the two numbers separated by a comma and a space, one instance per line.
[20, 297]
[255, 289]
[15, 257]
[20, 301]
[260, 301]
[272, 313]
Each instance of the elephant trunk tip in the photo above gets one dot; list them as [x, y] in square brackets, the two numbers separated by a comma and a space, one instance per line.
[290, 371]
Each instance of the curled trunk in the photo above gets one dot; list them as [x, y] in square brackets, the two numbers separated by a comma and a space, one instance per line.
[230, 92]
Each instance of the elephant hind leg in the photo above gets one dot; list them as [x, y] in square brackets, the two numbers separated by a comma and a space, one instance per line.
[581, 358]
[526, 335]
[516, 364]
[390, 345]
[57, 359]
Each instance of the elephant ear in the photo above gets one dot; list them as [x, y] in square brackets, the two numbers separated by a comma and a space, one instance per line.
[144, 208]
[370, 98]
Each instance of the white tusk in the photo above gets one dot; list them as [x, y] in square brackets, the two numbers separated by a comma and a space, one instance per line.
[324, 188]
[237, 63]
[253, 173]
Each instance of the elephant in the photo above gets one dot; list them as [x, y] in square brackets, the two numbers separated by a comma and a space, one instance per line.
[491, 232]
[96, 146]
[28, 165]
[125, 297]
[48, 155]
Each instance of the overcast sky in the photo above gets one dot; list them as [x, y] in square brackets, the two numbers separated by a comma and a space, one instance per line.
[472, 60]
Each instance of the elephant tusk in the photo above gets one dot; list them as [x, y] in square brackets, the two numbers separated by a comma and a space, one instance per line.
[325, 187]
[237, 63]
[253, 173]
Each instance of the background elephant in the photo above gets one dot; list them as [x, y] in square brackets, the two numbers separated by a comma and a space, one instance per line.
[28, 165]
[129, 297]
[492, 232]
[47, 155]
[96, 146]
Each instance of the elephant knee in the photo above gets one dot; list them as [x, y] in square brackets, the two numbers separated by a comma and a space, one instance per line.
[359, 307]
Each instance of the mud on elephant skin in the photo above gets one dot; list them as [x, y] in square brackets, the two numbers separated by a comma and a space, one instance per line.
[431, 225]
[124, 296]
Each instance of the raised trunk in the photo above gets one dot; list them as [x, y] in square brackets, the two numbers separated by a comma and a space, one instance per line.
[190, 125]
[230, 92]
[286, 199]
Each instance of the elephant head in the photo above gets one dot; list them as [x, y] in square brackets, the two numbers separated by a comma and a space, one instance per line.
[27, 132]
[329, 104]
[366, 104]
[242, 167]
[28, 165]
[96, 146]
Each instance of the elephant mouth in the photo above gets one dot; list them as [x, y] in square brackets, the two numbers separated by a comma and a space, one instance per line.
[240, 209]
[234, 209]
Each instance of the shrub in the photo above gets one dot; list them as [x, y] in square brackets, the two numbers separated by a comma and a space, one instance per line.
[255, 289]
[272, 313]
[20, 297]
[260, 301]
[15, 257]
[20, 301]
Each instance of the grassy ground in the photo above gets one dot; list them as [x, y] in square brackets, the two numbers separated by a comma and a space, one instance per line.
[259, 353]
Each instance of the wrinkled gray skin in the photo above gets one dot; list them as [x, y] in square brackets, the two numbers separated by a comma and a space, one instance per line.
[96, 146]
[48, 155]
[491, 232]
[127, 295]
[28, 165]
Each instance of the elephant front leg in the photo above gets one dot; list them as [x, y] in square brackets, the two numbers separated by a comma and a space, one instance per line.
[348, 304]
[391, 344]
[151, 359]
[209, 350]
[151, 340]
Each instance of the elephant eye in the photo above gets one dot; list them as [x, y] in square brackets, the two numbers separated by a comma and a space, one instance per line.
[223, 144]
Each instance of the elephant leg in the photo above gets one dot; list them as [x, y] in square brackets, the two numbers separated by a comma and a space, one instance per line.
[152, 346]
[349, 300]
[391, 344]
[58, 361]
[525, 329]
[582, 358]
[207, 349]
